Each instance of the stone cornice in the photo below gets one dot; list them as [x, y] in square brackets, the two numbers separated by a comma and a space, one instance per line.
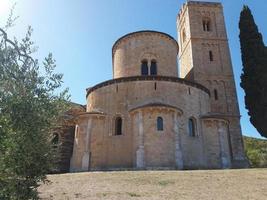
[147, 78]
[85, 114]
[156, 105]
[220, 116]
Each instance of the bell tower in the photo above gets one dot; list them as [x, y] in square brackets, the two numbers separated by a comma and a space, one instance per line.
[204, 58]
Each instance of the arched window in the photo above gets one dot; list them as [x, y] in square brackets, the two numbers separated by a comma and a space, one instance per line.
[144, 68]
[192, 127]
[153, 68]
[160, 124]
[215, 94]
[118, 126]
[211, 55]
[55, 139]
[206, 24]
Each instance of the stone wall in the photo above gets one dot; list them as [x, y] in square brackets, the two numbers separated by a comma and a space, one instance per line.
[65, 133]
[217, 142]
[129, 52]
[152, 147]
[66, 148]
[174, 102]
[209, 54]
[206, 96]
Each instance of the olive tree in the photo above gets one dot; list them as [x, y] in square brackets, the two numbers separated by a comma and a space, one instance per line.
[31, 101]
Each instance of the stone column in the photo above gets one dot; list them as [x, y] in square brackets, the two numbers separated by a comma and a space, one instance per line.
[75, 146]
[140, 158]
[86, 154]
[178, 151]
[224, 145]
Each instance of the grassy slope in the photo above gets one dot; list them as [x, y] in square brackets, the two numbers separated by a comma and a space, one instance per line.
[159, 185]
[256, 150]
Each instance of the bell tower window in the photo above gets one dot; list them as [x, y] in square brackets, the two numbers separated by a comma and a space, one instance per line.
[206, 25]
[211, 55]
[215, 94]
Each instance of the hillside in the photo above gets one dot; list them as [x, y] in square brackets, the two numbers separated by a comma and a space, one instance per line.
[171, 185]
[159, 185]
[256, 150]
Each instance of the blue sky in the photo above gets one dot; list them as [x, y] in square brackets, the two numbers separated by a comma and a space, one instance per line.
[80, 34]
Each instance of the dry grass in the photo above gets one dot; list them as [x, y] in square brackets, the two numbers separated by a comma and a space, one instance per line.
[159, 185]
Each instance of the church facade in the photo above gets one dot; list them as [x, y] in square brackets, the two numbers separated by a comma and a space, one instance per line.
[152, 115]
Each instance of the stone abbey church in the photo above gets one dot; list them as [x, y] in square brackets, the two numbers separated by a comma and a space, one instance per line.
[152, 116]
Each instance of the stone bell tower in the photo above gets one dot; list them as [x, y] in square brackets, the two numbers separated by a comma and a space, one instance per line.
[204, 58]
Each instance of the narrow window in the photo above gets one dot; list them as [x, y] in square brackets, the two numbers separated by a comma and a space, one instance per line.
[211, 55]
[144, 68]
[215, 94]
[191, 127]
[153, 68]
[160, 124]
[155, 86]
[189, 91]
[206, 25]
[118, 126]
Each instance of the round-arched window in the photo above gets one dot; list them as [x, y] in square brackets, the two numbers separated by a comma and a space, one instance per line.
[160, 124]
[192, 127]
[206, 23]
[153, 68]
[118, 126]
[144, 68]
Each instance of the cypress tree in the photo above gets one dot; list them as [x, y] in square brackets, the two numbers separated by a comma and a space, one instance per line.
[254, 76]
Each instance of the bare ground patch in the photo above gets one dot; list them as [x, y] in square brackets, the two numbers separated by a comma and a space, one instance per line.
[158, 185]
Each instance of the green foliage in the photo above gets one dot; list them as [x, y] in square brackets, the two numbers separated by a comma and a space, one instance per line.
[254, 76]
[256, 151]
[30, 104]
